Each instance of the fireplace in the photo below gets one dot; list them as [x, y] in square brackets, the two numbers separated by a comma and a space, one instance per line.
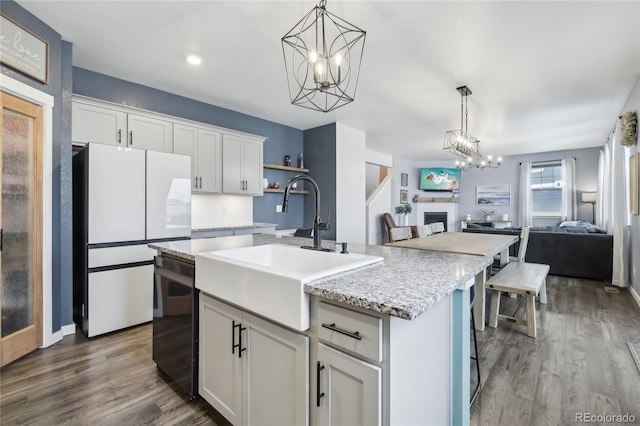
[431, 217]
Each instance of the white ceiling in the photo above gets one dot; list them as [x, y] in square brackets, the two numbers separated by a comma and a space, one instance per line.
[545, 75]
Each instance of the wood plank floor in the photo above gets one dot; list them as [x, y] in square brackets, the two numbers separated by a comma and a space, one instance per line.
[110, 380]
[578, 363]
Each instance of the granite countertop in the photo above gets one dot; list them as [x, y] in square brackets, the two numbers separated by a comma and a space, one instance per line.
[406, 284]
[222, 228]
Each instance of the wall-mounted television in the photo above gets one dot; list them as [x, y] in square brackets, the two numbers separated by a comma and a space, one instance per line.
[440, 179]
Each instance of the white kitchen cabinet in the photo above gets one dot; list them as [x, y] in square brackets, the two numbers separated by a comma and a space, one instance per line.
[242, 165]
[350, 389]
[150, 133]
[251, 370]
[205, 148]
[220, 368]
[92, 123]
[369, 368]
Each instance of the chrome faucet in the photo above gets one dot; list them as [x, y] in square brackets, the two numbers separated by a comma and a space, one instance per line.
[317, 223]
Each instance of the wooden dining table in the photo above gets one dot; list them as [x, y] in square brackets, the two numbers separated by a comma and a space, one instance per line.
[467, 243]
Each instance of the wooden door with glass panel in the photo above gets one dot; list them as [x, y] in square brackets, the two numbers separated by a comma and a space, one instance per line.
[20, 227]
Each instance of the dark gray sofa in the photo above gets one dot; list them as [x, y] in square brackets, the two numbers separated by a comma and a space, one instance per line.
[568, 251]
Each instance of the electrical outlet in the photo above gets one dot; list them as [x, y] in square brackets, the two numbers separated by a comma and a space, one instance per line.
[278, 208]
[224, 209]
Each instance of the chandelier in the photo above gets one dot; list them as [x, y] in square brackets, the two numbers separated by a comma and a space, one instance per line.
[460, 143]
[322, 57]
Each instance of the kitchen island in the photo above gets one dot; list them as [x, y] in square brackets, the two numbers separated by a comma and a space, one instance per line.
[414, 305]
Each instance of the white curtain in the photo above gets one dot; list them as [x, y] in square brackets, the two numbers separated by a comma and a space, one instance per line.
[603, 195]
[569, 204]
[525, 205]
[612, 198]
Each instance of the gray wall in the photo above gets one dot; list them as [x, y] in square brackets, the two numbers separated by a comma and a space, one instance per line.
[58, 87]
[507, 173]
[633, 104]
[320, 158]
[281, 140]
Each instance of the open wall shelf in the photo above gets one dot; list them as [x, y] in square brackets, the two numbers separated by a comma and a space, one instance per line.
[281, 191]
[287, 168]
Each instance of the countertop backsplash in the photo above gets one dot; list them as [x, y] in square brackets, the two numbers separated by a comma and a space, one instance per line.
[218, 210]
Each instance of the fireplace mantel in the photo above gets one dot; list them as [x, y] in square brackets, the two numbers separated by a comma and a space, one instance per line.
[417, 199]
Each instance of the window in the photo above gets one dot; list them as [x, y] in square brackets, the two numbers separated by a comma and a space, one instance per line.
[546, 189]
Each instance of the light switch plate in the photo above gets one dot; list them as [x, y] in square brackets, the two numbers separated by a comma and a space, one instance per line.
[278, 208]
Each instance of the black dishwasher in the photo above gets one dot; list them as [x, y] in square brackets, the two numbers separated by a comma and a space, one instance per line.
[175, 322]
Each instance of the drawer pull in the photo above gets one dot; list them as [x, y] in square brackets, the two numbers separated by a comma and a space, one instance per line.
[355, 334]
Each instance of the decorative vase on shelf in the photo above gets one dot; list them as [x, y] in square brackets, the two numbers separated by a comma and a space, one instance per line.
[265, 183]
[406, 220]
[487, 218]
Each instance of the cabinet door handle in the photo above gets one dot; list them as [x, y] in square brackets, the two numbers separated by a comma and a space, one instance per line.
[195, 182]
[120, 136]
[1, 238]
[233, 338]
[353, 334]
[131, 137]
[200, 182]
[319, 395]
[240, 348]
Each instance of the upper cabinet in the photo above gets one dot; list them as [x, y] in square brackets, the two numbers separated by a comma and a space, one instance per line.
[149, 133]
[246, 176]
[111, 126]
[205, 148]
[222, 160]
[92, 123]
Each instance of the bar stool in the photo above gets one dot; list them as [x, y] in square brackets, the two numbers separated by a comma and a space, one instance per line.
[472, 297]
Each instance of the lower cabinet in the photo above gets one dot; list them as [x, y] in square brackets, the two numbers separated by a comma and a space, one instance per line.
[349, 390]
[251, 370]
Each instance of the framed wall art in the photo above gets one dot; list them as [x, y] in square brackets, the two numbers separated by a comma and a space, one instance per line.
[493, 195]
[404, 179]
[404, 196]
[23, 51]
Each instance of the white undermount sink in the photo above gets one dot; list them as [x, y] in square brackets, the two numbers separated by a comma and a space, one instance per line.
[269, 279]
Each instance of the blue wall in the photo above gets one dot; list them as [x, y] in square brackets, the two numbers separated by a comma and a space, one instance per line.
[282, 140]
[320, 159]
[58, 87]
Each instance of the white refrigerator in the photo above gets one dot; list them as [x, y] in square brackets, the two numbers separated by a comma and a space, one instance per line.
[123, 199]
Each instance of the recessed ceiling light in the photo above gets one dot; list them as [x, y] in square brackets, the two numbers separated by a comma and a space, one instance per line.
[194, 59]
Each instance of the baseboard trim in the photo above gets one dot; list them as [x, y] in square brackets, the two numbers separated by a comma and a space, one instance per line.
[50, 339]
[69, 329]
[635, 295]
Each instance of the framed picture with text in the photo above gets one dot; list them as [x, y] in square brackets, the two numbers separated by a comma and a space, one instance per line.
[23, 51]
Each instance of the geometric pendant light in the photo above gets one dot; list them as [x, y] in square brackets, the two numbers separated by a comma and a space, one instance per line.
[322, 56]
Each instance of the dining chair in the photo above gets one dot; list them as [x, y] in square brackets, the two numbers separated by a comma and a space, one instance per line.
[423, 231]
[437, 227]
[399, 234]
[391, 224]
